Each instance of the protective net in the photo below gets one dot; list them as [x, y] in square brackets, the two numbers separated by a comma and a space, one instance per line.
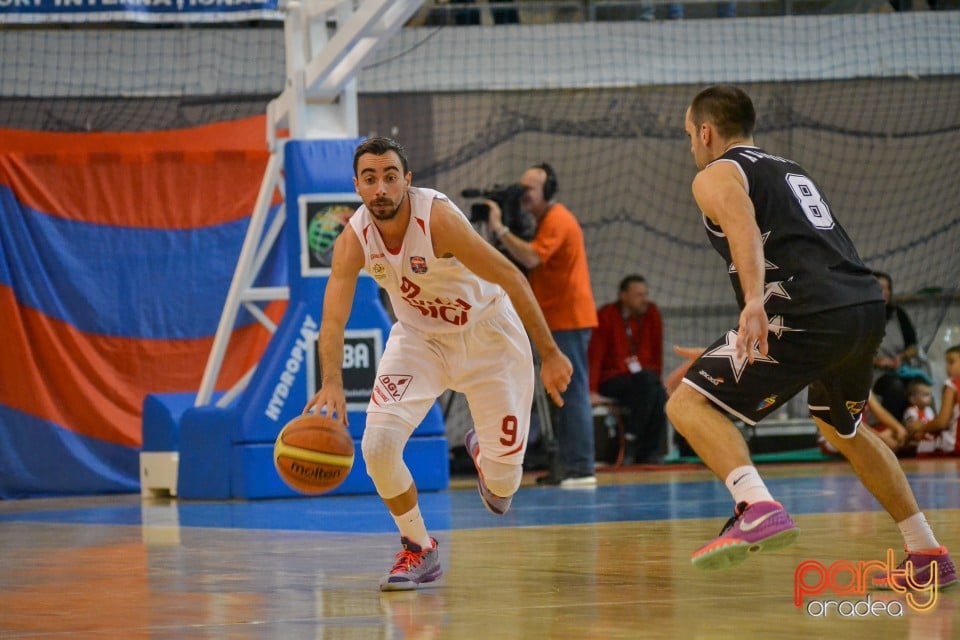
[137, 78]
[867, 103]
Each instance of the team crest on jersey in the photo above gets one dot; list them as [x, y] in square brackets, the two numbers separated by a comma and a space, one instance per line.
[418, 264]
[854, 407]
[395, 385]
[379, 271]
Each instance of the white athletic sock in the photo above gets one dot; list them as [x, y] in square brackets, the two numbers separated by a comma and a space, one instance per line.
[746, 485]
[917, 534]
[412, 527]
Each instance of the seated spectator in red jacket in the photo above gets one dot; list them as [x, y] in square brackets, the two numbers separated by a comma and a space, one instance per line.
[626, 362]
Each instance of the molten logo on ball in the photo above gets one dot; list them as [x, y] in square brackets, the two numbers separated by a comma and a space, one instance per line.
[315, 472]
[313, 454]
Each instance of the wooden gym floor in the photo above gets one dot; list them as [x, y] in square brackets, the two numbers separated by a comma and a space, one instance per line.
[610, 562]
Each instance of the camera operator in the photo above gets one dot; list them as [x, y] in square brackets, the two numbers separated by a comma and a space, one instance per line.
[507, 200]
[556, 261]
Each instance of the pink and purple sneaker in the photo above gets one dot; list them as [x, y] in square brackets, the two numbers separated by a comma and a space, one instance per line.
[922, 564]
[761, 526]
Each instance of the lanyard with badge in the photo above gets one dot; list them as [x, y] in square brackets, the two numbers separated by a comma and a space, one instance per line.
[633, 362]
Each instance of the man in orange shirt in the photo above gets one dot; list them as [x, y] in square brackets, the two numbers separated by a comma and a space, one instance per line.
[626, 362]
[556, 262]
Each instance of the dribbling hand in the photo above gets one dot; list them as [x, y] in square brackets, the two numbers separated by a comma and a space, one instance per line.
[332, 398]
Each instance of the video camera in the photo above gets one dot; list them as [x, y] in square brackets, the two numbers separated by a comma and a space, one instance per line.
[520, 223]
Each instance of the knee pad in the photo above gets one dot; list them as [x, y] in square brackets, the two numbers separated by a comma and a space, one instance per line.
[383, 441]
[502, 479]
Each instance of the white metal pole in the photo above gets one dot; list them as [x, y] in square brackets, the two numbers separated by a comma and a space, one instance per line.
[232, 305]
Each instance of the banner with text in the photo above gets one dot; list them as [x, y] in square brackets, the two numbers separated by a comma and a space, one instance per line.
[60, 11]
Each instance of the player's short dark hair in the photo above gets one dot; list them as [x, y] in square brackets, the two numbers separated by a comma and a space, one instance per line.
[378, 147]
[630, 279]
[728, 108]
[954, 349]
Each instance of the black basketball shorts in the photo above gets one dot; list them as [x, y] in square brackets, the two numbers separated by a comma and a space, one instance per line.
[830, 352]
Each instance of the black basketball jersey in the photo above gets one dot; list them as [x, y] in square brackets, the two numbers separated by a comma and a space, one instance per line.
[811, 263]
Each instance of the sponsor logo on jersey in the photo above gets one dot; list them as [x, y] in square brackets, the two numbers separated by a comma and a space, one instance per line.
[379, 271]
[418, 264]
[379, 394]
[767, 402]
[395, 385]
[709, 378]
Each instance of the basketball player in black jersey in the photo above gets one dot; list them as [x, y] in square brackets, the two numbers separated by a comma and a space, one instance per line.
[811, 316]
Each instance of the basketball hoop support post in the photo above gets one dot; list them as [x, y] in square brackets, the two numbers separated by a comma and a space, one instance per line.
[319, 102]
[326, 42]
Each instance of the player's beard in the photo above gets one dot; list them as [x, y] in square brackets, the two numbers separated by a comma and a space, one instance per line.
[384, 210]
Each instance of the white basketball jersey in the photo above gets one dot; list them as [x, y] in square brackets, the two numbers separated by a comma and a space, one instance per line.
[429, 294]
[943, 442]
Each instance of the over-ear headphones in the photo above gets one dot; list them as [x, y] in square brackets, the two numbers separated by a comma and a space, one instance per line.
[550, 186]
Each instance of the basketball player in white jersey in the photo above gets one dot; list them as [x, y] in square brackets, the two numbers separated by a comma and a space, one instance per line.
[461, 309]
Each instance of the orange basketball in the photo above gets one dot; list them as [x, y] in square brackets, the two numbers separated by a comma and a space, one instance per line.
[313, 453]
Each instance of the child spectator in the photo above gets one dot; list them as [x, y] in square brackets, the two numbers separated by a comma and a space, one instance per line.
[937, 434]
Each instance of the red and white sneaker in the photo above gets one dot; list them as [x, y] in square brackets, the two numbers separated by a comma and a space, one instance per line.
[414, 566]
